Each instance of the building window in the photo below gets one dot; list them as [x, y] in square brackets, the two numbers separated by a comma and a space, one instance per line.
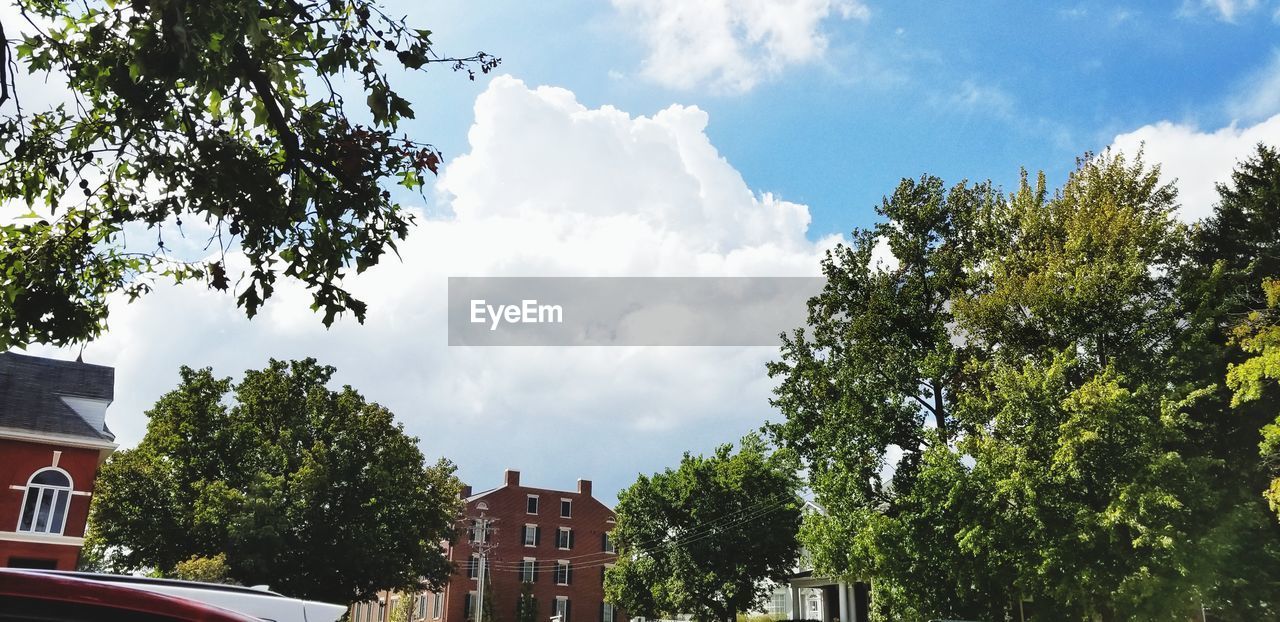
[606, 612]
[562, 608]
[473, 566]
[470, 607]
[564, 575]
[44, 508]
[527, 569]
[566, 508]
[606, 543]
[479, 531]
[421, 601]
[564, 538]
[437, 608]
[531, 535]
[531, 504]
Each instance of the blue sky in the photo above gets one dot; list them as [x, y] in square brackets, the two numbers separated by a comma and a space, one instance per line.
[703, 138]
[960, 90]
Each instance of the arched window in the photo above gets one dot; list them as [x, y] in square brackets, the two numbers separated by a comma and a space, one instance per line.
[44, 509]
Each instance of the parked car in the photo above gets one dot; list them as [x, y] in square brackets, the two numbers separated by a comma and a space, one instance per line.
[34, 596]
[259, 602]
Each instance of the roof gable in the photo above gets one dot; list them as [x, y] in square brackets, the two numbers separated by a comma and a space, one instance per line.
[43, 395]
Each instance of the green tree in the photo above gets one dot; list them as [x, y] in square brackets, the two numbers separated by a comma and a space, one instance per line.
[1259, 335]
[1233, 253]
[316, 492]
[703, 538]
[1083, 457]
[403, 610]
[208, 569]
[527, 608]
[224, 119]
[877, 374]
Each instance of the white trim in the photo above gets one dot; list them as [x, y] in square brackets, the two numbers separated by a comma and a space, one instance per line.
[562, 501]
[567, 533]
[50, 438]
[16, 487]
[41, 489]
[531, 565]
[57, 455]
[561, 563]
[41, 538]
[538, 505]
[530, 528]
[81, 493]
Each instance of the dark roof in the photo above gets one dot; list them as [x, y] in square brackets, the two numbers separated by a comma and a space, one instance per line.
[31, 388]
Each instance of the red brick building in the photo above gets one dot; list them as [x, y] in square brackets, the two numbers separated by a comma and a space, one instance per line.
[53, 437]
[554, 541]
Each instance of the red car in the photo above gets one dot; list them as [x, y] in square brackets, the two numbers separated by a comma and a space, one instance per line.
[40, 597]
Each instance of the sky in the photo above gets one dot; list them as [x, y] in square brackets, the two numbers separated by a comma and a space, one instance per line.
[704, 138]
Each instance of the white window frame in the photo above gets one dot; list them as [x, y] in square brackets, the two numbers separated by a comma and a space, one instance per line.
[609, 546]
[563, 538]
[607, 613]
[562, 605]
[537, 505]
[475, 596]
[420, 610]
[473, 567]
[530, 535]
[562, 571]
[58, 493]
[437, 606]
[562, 502]
[528, 569]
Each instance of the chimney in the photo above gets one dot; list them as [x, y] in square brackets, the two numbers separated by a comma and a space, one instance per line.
[466, 492]
[584, 487]
[512, 478]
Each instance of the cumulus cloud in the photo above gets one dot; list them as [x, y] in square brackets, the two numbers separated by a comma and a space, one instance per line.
[548, 187]
[1196, 159]
[731, 45]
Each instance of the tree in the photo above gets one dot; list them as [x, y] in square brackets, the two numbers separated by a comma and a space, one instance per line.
[1259, 335]
[878, 373]
[1077, 462]
[225, 120]
[403, 609]
[1234, 253]
[316, 492]
[207, 569]
[527, 608]
[702, 539]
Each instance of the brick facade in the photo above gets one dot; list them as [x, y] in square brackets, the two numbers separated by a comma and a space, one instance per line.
[52, 429]
[505, 509]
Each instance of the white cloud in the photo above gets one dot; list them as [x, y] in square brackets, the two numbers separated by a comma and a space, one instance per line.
[549, 187]
[1258, 96]
[1226, 10]
[1196, 159]
[731, 45]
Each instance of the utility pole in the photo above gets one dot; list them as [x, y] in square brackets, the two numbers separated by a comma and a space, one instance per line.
[483, 530]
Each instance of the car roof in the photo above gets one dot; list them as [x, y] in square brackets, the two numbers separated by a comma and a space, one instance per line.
[258, 602]
[22, 583]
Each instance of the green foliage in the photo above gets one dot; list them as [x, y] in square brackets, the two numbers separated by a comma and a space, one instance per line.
[1259, 335]
[702, 538]
[315, 492]
[527, 608]
[1052, 369]
[404, 608]
[223, 118]
[208, 569]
